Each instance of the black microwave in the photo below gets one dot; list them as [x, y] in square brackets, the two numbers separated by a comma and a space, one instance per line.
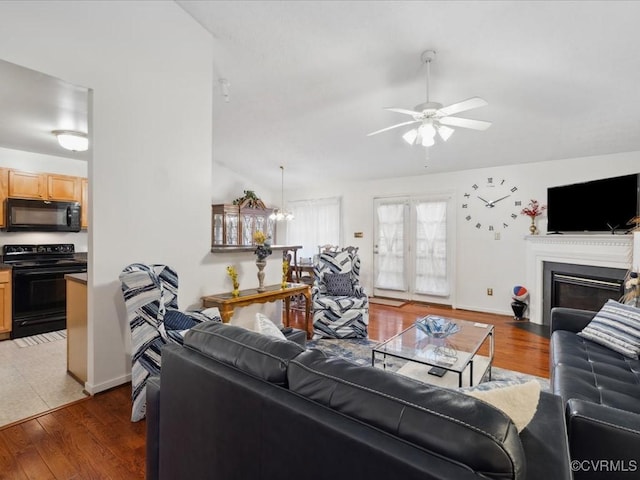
[27, 215]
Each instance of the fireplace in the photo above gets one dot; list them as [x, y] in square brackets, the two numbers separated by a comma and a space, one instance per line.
[579, 286]
[607, 251]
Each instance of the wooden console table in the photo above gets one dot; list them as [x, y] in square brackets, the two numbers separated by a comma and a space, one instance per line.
[226, 302]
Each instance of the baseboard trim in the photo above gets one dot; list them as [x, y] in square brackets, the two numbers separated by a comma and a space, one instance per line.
[475, 308]
[92, 389]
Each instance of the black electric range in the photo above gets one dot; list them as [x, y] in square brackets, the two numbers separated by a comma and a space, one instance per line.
[39, 290]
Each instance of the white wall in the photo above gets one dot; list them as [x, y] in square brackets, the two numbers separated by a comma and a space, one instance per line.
[149, 67]
[36, 162]
[481, 261]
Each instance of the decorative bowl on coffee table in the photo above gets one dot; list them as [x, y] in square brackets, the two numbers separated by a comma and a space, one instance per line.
[437, 327]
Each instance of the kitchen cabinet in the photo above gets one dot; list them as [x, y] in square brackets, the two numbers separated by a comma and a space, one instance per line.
[46, 186]
[26, 184]
[84, 203]
[5, 301]
[234, 226]
[77, 325]
[63, 187]
[4, 193]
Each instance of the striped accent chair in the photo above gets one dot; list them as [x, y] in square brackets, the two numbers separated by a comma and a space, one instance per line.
[340, 310]
[151, 297]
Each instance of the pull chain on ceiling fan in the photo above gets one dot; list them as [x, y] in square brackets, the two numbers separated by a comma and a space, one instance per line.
[434, 118]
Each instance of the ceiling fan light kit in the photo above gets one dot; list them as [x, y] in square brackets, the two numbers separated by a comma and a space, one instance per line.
[434, 118]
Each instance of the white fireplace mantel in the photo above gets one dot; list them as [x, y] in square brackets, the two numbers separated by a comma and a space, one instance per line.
[614, 251]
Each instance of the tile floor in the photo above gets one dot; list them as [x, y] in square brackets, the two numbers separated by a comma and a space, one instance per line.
[34, 379]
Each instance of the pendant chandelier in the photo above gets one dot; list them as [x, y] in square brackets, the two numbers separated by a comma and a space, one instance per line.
[280, 214]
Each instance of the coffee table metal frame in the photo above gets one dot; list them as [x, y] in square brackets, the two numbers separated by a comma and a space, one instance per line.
[420, 348]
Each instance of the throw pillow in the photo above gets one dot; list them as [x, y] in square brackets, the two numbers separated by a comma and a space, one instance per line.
[519, 401]
[265, 326]
[616, 326]
[176, 320]
[338, 284]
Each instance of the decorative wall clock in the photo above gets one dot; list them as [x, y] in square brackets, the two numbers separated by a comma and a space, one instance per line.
[491, 205]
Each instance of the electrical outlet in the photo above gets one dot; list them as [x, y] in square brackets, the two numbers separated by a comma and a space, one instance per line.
[489, 291]
[496, 236]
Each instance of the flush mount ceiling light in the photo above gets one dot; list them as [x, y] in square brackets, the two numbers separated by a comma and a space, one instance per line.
[434, 118]
[280, 214]
[72, 140]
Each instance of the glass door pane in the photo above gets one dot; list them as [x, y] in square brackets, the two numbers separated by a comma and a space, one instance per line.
[390, 246]
[430, 238]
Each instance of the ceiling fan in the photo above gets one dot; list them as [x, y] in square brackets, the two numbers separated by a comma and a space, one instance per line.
[434, 118]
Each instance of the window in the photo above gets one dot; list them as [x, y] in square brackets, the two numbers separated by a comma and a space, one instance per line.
[316, 222]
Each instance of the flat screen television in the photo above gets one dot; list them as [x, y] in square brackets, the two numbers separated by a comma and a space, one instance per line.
[597, 206]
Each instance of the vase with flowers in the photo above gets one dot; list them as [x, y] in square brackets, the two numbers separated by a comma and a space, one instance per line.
[533, 210]
[262, 251]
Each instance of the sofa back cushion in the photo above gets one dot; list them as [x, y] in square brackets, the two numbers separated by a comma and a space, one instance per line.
[445, 422]
[259, 355]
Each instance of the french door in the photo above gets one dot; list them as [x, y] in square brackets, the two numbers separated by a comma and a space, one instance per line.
[413, 241]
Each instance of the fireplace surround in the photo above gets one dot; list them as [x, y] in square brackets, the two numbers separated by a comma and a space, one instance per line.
[607, 251]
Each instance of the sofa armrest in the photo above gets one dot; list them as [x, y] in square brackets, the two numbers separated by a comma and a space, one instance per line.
[601, 432]
[296, 335]
[570, 319]
[153, 428]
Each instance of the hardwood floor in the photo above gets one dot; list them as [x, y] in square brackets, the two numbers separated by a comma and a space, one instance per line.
[94, 438]
[89, 439]
[515, 348]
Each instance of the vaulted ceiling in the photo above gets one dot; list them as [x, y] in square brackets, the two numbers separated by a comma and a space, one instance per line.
[308, 80]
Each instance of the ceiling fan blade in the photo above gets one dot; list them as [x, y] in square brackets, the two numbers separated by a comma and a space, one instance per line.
[465, 123]
[403, 110]
[462, 106]
[393, 126]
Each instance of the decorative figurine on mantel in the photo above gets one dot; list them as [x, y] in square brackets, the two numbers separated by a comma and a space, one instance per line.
[250, 199]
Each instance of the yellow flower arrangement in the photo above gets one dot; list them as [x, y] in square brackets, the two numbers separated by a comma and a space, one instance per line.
[259, 237]
[285, 272]
[233, 274]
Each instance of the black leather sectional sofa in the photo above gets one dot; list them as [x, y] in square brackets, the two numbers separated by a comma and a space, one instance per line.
[233, 404]
[601, 391]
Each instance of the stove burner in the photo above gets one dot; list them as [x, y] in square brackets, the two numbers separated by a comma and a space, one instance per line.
[48, 249]
[43, 256]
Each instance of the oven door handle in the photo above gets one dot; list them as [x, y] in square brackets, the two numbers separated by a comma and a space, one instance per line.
[48, 271]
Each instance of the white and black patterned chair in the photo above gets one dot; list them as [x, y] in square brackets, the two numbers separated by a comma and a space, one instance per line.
[340, 304]
[151, 297]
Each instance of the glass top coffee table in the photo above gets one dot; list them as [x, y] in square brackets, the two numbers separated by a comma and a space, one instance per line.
[456, 353]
